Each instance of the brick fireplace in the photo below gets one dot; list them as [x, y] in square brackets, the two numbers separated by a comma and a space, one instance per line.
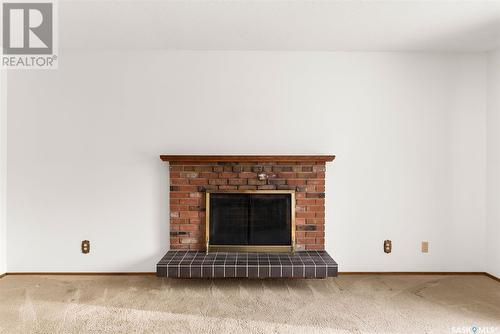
[191, 177]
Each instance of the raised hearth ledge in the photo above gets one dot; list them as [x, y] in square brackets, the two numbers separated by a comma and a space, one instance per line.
[247, 158]
[193, 264]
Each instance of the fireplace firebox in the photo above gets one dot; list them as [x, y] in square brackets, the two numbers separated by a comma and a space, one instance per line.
[250, 221]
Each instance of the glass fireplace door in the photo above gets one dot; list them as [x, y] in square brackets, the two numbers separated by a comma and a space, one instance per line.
[252, 220]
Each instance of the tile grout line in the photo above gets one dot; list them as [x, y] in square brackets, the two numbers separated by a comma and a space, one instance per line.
[179, 265]
[224, 267]
[269, 264]
[191, 265]
[203, 265]
[168, 264]
[281, 267]
[303, 267]
[326, 266]
[259, 265]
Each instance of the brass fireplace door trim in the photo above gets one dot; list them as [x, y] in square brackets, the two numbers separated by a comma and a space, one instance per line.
[249, 248]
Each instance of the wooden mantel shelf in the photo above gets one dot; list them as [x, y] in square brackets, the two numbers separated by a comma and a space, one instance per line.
[247, 158]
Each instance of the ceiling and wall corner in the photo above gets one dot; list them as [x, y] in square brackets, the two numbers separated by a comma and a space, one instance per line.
[493, 165]
[400, 26]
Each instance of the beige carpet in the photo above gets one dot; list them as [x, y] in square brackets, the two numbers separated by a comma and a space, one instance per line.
[347, 304]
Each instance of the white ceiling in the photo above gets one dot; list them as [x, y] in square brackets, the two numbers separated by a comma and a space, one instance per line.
[280, 25]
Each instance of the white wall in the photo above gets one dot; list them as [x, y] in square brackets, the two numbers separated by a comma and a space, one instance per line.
[493, 197]
[3, 170]
[408, 131]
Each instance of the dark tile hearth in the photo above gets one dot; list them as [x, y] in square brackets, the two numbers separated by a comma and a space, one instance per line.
[198, 264]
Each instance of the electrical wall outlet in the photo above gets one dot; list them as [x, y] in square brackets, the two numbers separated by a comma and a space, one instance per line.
[85, 246]
[425, 246]
[387, 246]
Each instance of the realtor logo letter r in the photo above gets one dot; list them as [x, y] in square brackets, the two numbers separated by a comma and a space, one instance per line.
[27, 28]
